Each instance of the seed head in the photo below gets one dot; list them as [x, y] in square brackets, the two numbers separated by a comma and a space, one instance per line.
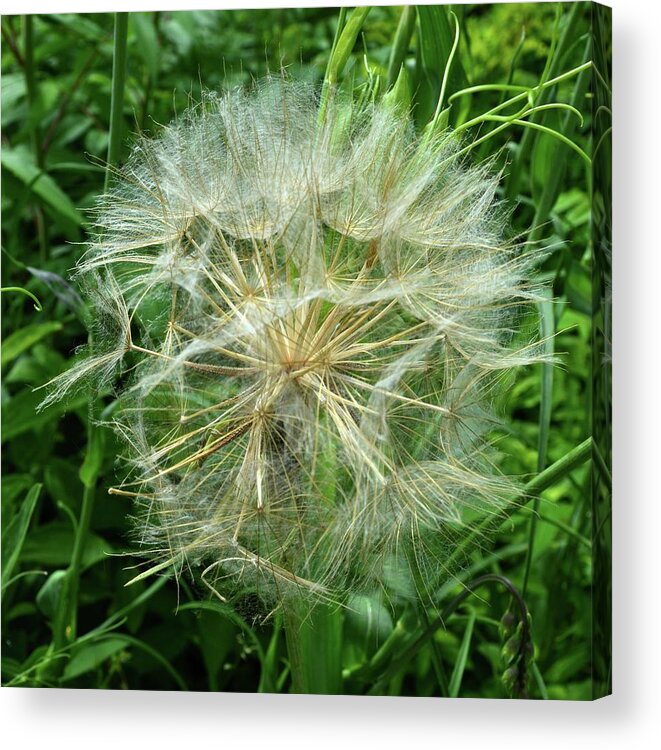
[311, 318]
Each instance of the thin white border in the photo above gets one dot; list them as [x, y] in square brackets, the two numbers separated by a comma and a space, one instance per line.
[629, 719]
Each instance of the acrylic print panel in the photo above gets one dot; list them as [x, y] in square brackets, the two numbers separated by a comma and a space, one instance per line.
[306, 355]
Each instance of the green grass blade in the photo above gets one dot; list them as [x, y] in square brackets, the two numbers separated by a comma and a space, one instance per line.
[435, 40]
[342, 48]
[400, 46]
[547, 331]
[314, 645]
[552, 69]
[539, 681]
[558, 160]
[20, 341]
[118, 84]
[20, 290]
[462, 657]
[14, 533]
[20, 162]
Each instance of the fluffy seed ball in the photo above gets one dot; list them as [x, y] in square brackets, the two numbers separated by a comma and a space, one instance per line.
[309, 316]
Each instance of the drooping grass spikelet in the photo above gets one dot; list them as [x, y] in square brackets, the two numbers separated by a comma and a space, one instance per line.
[312, 318]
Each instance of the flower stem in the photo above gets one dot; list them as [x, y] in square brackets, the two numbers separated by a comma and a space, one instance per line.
[314, 640]
[67, 619]
[35, 131]
[37, 304]
[313, 630]
[118, 83]
[345, 39]
[31, 85]
[401, 42]
[547, 330]
[293, 622]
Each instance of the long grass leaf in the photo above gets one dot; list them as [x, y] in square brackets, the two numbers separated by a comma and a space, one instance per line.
[462, 657]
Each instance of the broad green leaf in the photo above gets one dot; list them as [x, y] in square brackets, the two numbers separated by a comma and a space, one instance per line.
[91, 656]
[19, 341]
[578, 289]
[14, 533]
[217, 638]
[570, 664]
[51, 545]
[20, 412]
[13, 90]
[62, 483]
[367, 621]
[399, 97]
[12, 486]
[544, 156]
[20, 162]
[21, 672]
[435, 39]
[345, 44]
[50, 593]
[89, 471]
[147, 46]
[80, 25]
[314, 641]
[42, 364]
[88, 657]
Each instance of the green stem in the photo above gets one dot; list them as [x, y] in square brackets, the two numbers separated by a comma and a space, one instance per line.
[448, 66]
[546, 330]
[558, 470]
[547, 478]
[37, 304]
[552, 185]
[35, 134]
[515, 119]
[313, 630]
[345, 40]
[31, 84]
[400, 45]
[554, 62]
[602, 467]
[293, 622]
[66, 632]
[314, 641]
[66, 620]
[524, 95]
[118, 84]
[341, 20]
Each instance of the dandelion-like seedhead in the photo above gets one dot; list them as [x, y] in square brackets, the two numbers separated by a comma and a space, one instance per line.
[310, 318]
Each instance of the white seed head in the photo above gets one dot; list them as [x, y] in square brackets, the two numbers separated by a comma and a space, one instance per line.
[313, 317]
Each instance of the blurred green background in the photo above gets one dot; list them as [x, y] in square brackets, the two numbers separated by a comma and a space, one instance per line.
[160, 634]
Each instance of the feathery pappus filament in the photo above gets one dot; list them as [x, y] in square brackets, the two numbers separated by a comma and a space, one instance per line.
[311, 318]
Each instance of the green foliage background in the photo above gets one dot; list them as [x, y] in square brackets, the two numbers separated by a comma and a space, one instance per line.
[56, 92]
